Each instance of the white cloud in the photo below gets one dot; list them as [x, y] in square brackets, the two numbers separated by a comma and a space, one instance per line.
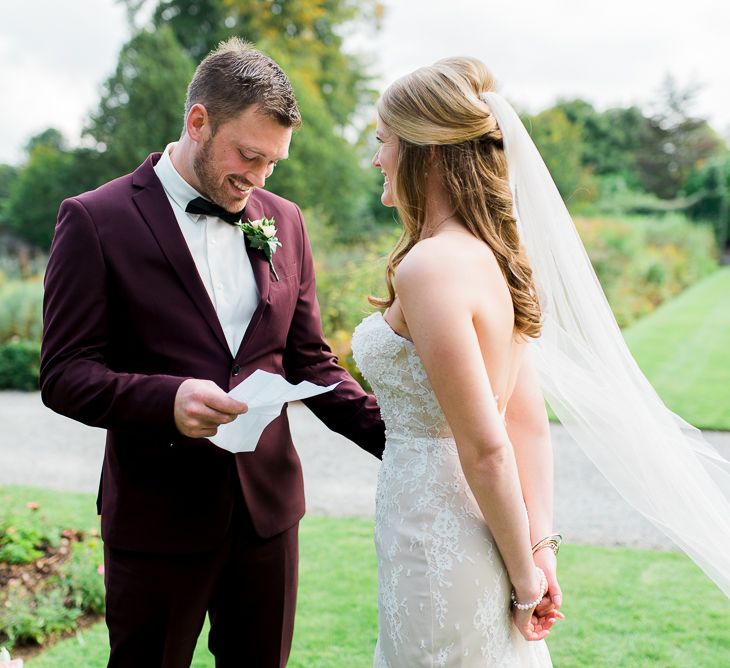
[54, 55]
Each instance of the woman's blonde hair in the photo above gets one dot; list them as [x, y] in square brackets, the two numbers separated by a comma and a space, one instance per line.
[438, 116]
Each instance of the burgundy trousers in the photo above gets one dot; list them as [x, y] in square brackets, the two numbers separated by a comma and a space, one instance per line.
[156, 603]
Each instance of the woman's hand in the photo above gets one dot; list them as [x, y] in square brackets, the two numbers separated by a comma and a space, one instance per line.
[533, 626]
[553, 598]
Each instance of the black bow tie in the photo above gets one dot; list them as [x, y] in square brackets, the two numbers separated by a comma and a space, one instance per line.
[208, 208]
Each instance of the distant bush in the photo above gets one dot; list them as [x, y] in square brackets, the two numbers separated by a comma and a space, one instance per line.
[346, 275]
[21, 310]
[641, 262]
[19, 365]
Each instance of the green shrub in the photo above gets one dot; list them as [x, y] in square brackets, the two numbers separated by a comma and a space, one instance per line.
[19, 365]
[346, 275]
[24, 537]
[639, 261]
[30, 614]
[642, 262]
[21, 310]
[83, 576]
[20, 545]
[25, 618]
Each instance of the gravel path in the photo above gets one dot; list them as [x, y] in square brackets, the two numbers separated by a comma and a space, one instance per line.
[40, 448]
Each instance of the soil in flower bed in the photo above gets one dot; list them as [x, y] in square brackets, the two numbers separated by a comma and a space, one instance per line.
[33, 576]
[40, 575]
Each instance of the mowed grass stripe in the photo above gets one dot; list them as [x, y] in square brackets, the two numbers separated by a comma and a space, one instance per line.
[684, 349]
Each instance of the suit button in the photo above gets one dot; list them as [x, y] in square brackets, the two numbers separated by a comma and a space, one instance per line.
[235, 370]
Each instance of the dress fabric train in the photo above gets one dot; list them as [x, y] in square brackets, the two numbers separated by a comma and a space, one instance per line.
[443, 591]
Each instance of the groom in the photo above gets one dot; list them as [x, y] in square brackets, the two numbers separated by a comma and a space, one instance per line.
[155, 307]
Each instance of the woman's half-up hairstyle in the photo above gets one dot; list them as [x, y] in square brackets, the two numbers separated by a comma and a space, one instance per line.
[438, 116]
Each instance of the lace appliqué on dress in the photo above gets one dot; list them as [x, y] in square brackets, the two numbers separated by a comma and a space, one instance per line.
[443, 592]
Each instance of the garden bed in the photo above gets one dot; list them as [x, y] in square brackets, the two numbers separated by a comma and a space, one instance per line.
[51, 581]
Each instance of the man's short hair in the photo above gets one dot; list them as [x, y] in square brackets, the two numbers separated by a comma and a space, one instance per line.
[236, 76]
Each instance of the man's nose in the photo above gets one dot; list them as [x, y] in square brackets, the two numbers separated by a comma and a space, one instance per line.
[257, 177]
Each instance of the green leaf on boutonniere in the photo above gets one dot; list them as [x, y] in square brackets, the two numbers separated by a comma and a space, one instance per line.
[261, 234]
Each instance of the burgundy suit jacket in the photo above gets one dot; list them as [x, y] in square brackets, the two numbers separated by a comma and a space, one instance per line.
[127, 319]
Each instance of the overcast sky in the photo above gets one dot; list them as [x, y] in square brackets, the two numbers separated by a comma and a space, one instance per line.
[54, 55]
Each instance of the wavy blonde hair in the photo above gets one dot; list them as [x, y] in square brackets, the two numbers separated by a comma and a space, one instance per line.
[440, 120]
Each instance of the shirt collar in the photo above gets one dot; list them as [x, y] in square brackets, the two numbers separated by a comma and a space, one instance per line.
[176, 187]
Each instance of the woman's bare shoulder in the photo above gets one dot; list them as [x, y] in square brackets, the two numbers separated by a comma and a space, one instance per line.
[446, 258]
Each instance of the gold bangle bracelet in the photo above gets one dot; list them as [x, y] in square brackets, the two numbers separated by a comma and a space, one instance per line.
[553, 542]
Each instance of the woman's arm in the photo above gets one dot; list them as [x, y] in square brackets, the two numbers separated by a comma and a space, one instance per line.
[440, 284]
[529, 433]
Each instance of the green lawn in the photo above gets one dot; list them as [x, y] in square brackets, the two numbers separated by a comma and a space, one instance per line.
[684, 349]
[624, 607]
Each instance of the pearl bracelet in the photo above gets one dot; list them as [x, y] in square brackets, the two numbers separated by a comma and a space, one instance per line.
[532, 604]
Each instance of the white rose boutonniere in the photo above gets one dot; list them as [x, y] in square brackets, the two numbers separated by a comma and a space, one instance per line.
[261, 234]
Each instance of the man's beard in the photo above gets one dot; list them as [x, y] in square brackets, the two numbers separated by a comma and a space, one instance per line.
[208, 178]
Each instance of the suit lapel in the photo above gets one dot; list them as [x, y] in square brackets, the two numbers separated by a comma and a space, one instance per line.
[157, 213]
[259, 263]
[261, 272]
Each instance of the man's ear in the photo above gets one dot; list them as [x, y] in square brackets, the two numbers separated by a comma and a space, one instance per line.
[197, 123]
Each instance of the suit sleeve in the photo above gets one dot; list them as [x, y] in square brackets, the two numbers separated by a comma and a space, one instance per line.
[74, 376]
[348, 409]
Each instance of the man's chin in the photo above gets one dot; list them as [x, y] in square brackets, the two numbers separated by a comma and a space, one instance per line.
[237, 204]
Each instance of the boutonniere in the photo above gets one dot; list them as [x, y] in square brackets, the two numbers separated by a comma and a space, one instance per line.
[261, 234]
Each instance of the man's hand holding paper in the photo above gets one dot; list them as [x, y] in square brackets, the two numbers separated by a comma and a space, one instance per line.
[264, 393]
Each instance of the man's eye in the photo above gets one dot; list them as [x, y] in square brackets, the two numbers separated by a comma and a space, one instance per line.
[248, 157]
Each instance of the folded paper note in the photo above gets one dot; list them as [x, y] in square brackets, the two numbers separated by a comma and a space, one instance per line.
[265, 393]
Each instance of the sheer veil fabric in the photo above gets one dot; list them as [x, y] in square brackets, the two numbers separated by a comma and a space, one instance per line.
[659, 463]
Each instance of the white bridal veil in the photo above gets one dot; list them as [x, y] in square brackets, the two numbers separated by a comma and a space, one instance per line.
[660, 464]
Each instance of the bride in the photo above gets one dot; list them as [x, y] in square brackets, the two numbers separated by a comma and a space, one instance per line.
[462, 496]
[493, 306]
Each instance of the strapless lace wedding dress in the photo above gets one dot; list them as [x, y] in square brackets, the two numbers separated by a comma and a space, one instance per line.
[443, 591]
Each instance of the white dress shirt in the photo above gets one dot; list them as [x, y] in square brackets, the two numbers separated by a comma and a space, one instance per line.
[219, 252]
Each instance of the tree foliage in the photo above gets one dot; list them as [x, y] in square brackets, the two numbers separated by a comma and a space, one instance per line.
[678, 142]
[305, 37]
[608, 138]
[50, 175]
[561, 145]
[324, 172]
[141, 107]
[708, 188]
[308, 32]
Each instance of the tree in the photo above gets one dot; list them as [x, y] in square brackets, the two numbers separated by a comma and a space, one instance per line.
[8, 174]
[708, 187]
[142, 104]
[561, 145]
[610, 138]
[676, 142]
[50, 175]
[324, 172]
[308, 32]
[49, 137]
